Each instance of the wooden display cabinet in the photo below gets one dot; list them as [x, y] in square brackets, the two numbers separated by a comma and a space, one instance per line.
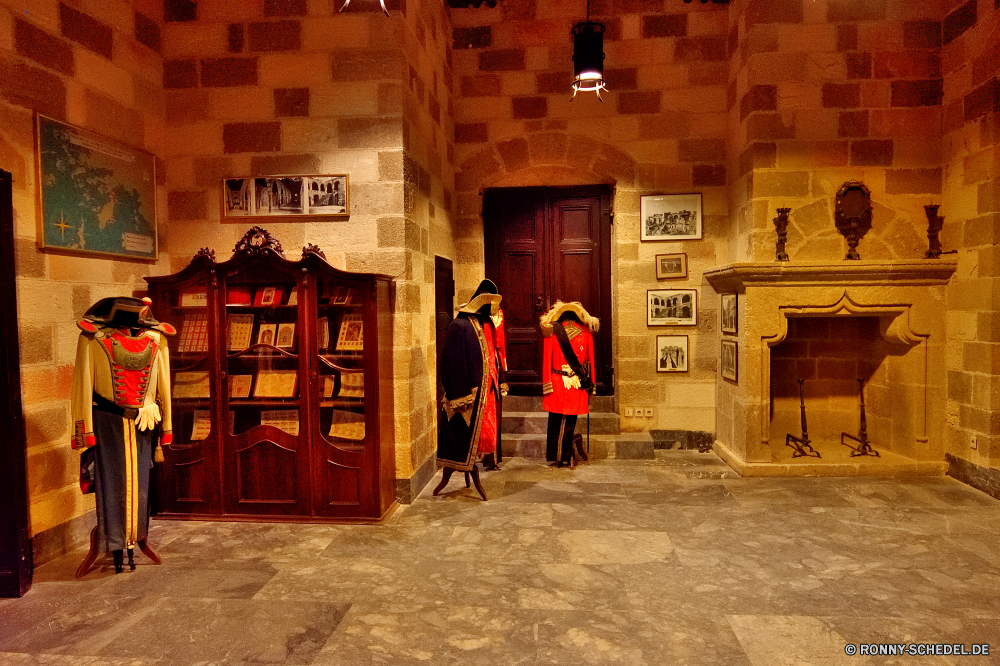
[282, 388]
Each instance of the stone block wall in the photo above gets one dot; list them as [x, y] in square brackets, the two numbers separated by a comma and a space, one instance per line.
[287, 88]
[824, 92]
[96, 65]
[971, 206]
[661, 129]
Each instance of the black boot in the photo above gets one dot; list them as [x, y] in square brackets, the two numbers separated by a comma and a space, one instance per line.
[117, 555]
[131, 562]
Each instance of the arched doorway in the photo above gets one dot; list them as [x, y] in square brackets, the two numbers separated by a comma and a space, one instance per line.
[544, 244]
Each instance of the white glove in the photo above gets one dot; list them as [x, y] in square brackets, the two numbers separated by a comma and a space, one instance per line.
[148, 417]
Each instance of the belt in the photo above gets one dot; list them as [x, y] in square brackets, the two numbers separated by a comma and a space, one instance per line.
[105, 405]
[567, 373]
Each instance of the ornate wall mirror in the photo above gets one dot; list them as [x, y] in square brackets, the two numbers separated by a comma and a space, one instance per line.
[853, 214]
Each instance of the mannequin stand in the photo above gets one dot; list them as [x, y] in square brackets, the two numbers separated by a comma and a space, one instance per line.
[88, 562]
[446, 476]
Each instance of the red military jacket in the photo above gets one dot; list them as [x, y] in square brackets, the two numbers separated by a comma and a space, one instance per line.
[560, 399]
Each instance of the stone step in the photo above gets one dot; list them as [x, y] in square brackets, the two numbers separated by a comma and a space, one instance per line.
[527, 423]
[632, 446]
[533, 403]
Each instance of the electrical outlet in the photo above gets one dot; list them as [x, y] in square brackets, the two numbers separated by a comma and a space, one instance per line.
[649, 412]
[974, 443]
[638, 412]
[628, 412]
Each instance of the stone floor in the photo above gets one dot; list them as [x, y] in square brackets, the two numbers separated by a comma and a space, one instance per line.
[667, 561]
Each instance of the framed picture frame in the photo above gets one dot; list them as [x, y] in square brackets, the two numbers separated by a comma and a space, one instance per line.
[276, 384]
[728, 360]
[670, 266]
[267, 334]
[666, 217]
[671, 353]
[728, 316]
[96, 196]
[267, 297]
[351, 335]
[287, 196]
[671, 307]
[240, 331]
[285, 338]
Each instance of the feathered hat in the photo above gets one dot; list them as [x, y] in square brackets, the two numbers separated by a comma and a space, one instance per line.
[560, 308]
[486, 294]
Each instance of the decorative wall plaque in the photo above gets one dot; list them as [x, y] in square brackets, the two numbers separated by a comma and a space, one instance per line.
[853, 214]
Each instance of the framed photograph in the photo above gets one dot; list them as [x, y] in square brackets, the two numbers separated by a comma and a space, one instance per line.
[286, 336]
[671, 353]
[97, 196]
[670, 217]
[276, 384]
[240, 331]
[191, 385]
[671, 266]
[727, 313]
[351, 335]
[323, 333]
[286, 196]
[266, 334]
[268, 296]
[728, 360]
[671, 307]
[239, 386]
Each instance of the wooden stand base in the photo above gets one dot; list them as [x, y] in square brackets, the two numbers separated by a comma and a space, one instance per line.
[446, 476]
[88, 562]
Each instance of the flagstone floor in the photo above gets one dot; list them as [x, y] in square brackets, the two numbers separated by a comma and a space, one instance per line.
[669, 561]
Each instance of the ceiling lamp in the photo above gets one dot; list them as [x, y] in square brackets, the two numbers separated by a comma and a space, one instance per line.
[380, 2]
[588, 56]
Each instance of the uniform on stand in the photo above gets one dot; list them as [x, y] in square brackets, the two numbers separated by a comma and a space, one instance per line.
[502, 356]
[121, 391]
[472, 374]
[568, 376]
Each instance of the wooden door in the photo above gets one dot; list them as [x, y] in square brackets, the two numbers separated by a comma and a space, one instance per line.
[444, 302]
[544, 245]
[15, 544]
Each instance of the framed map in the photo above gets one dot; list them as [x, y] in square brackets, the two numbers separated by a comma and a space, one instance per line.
[98, 196]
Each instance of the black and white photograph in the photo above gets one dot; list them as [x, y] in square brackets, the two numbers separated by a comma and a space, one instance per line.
[728, 360]
[286, 336]
[284, 196]
[671, 266]
[671, 353]
[670, 217]
[671, 307]
[327, 195]
[727, 315]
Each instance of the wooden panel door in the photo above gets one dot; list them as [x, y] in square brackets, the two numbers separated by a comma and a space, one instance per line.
[517, 260]
[544, 245]
[15, 544]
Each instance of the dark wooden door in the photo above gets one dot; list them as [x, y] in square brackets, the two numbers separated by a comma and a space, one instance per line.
[15, 544]
[543, 245]
[444, 301]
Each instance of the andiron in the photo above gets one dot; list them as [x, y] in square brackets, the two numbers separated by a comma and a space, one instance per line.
[802, 445]
[864, 448]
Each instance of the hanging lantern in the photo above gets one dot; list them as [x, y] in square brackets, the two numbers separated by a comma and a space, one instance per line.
[588, 56]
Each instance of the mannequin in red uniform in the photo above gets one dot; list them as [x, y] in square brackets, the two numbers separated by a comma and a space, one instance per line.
[565, 399]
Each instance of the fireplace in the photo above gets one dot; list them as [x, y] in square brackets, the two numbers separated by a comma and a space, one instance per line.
[831, 324]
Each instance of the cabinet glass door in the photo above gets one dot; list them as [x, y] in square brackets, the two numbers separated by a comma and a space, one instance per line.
[266, 463]
[191, 464]
[340, 393]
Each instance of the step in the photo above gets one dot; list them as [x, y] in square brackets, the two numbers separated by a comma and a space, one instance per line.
[533, 403]
[526, 423]
[631, 446]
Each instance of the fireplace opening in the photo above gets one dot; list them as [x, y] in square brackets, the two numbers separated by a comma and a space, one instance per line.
[830, 354]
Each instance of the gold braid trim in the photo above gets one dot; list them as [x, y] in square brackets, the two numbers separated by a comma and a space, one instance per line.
[461, 405]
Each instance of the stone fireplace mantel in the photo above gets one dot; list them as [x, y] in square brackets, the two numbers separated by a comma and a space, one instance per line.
[908, 300]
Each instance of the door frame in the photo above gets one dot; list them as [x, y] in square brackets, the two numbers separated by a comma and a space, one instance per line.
[605, 373]
[15, 537]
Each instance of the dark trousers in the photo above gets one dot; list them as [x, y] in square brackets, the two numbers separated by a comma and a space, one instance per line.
[568, 424]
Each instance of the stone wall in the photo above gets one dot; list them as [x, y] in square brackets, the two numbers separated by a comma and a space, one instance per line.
[827, 92]
[971, 206]
[661, 129]
[290, 87]
[96, 65]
